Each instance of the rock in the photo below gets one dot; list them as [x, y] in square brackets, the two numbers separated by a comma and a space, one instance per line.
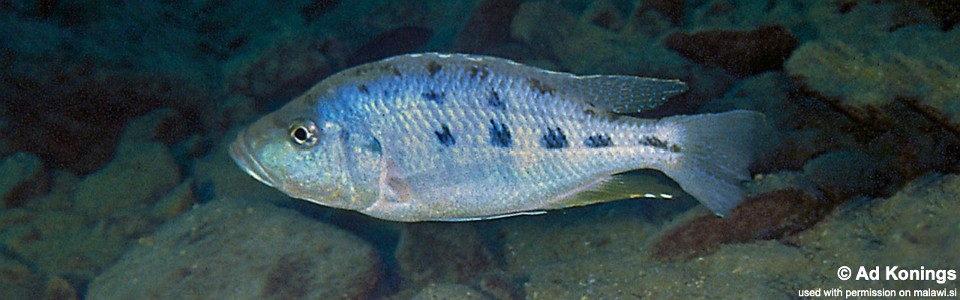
[764, 183]
[396, 41]
[179, 200]
[23, 178]
[448, 291]
[761, 267]
[60, 194]
[317, 8]
[230, 249]
[59, 289]
[283, 69]
[903, 230]
[442, 252]
[81, 249]
[580, 47]
[488, 26]
[673, 10]
[739, 52]
[864, 80]
[142, 171]
[596, 233]
[844, 174]
[17, 281]
[766, 216]
[72, 90]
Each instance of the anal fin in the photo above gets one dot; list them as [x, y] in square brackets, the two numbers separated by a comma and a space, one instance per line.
[637, 184]
[492, 217]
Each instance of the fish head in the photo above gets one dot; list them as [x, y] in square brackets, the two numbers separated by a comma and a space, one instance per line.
[298, 153]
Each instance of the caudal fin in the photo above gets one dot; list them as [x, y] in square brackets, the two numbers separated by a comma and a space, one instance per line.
[716, 150]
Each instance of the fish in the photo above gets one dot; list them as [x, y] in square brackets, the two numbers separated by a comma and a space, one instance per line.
[459, 137]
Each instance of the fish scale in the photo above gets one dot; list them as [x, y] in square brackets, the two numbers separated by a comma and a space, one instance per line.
[460, 137]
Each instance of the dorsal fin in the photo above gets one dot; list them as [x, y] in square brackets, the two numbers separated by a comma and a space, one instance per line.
[626, 94]
[616, 93]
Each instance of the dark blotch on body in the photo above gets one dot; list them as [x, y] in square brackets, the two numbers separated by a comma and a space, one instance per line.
[540, 87]
[389, 68]
[655, 142]
[494, 100]
[554, 139]
[433, 67]
[445, 137]
[598, 141]
[363, 88]
[433, 96]
[500, 134]
[479, 70]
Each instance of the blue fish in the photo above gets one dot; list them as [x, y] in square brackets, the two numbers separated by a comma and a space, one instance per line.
[456, 137]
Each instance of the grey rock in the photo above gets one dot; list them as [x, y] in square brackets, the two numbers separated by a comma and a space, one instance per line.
[236, 250]
[448, 291]
[142, 171]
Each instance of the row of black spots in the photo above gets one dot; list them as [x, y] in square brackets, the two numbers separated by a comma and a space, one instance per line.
[435, 97]
[383, 68]
[655, 142]
[598, 141]
[554, 139]
[445, 137]
[500, 135]
[495, 101]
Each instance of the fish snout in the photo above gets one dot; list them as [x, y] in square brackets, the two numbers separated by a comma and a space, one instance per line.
[242, 153]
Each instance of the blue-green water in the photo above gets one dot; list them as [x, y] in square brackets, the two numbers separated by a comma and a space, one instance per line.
[116, 115]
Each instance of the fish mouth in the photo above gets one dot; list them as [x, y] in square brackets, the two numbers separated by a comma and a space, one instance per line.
[241, 153]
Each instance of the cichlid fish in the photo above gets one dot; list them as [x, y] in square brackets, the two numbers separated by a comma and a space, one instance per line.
[457, 137]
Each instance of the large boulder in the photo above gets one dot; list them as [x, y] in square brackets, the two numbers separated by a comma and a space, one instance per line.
[238, 250]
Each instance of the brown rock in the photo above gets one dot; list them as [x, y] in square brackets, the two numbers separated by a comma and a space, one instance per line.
[488, 26]
[762, 217]
[742, 53]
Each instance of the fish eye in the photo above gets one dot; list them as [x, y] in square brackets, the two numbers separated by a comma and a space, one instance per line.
[303, 132]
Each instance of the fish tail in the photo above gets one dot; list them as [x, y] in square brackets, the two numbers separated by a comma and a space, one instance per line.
[716, 150]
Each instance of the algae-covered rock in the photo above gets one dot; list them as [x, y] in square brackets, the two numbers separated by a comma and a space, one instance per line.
[179, 200]
[21, 177]
[448, 291]
[864, 79]
[442, 252]
[17, 281]
[142, 171]
[229, 249]
[578, 45]
[917, 227]
[629, 277]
